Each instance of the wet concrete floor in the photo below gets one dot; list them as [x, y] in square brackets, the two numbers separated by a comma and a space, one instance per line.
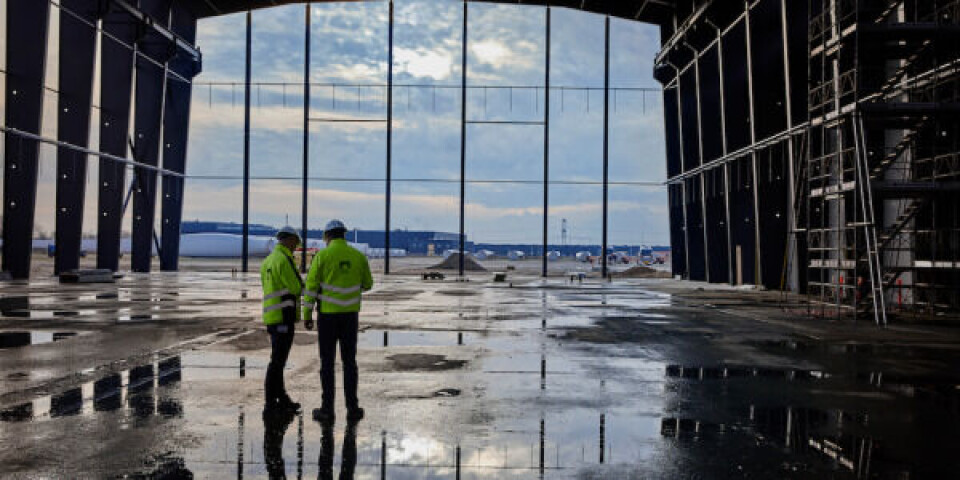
[161, 376]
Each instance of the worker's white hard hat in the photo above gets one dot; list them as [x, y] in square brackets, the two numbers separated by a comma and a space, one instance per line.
[334, 225]
[288, 231]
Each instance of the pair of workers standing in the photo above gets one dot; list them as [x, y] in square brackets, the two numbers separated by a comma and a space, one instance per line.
[338, 276]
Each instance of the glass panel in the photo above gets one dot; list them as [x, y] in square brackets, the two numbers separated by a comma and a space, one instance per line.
[359, 205]
[503, 224]
[425, 219]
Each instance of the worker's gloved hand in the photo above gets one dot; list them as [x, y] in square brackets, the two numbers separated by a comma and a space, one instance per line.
[307, 316]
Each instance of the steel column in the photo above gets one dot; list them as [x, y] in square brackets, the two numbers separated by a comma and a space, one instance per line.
[726, 169]
[463, 135]
[116, 83]
[176, 128]
[26, 55]
[305, 192]
[78, 45]
[386, 231]
[546, 143]
[606, 143]
[176, 124]
[148, 119]
[794, 253]
[245, 248]
[757, 271]
[148, 116]
[702, 175]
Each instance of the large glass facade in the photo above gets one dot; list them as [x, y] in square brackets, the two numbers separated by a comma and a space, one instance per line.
[502, 194]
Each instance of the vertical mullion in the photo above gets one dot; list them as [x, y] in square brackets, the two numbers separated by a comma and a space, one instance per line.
[244, 248]
[463, 135]
[305, 186]
[546, 143]
[606, 142]
[386, 233]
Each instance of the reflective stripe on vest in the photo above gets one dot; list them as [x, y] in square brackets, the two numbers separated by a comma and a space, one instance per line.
[340, 290]
[342, 303]
[309, 293]
[284, 304]
[278, 293]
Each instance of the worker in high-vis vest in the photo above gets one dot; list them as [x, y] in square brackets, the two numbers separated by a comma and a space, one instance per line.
[339, 274]
[282, 287]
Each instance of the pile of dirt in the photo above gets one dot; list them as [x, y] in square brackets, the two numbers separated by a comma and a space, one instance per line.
[641, 271]
[453, 263]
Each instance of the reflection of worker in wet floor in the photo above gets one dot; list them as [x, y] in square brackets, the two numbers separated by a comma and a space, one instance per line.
[274, 429]
[348, 462]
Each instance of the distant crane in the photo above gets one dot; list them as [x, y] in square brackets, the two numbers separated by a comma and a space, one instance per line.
[563, 232]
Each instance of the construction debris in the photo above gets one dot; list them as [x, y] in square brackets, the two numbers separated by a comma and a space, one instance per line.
[453, 263]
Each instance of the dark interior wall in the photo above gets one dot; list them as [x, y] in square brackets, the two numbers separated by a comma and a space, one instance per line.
[677, 239]
[736, 88]
[797, 52]
[671, 129]
[710, 113]
[773, 189]
[766, 54]
[716, 224]
[689, 119]
[696, 255]
[742, 222]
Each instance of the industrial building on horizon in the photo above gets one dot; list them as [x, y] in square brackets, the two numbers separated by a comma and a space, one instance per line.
[421, 242]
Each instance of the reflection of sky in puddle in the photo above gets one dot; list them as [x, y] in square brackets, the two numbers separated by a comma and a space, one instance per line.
[15, 339]
[412, 338]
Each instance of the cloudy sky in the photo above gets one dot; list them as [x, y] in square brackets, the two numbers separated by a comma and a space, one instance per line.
[347, 160]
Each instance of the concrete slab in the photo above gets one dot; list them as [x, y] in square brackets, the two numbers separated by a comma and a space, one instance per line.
[543, 379]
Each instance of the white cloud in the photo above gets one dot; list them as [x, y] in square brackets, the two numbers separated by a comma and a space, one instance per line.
[425, 63]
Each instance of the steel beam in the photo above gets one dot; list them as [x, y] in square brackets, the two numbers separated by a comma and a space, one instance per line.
[161, 29]
[305, 186]
[546, 142]
[244, 248]
[389, 179]
[78, 45]
[606, 145]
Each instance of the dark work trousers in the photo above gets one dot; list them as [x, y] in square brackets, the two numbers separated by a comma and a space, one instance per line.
[281, 339]
[334, 328]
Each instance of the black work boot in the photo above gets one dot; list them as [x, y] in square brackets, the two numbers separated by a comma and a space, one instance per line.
[354, 414]
[285, 403]
[323, 414]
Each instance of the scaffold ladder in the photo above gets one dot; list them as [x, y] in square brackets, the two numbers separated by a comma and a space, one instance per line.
[874, 261]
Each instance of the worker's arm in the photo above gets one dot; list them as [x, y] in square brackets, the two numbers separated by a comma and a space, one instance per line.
[291, 279]
[367, 282]
[311, 290]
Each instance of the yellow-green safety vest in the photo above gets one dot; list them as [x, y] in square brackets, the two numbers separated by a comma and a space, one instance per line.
[282, 285]
[338, 275]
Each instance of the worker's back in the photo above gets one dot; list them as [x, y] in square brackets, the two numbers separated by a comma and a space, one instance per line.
[281, 286]
[338, 275]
